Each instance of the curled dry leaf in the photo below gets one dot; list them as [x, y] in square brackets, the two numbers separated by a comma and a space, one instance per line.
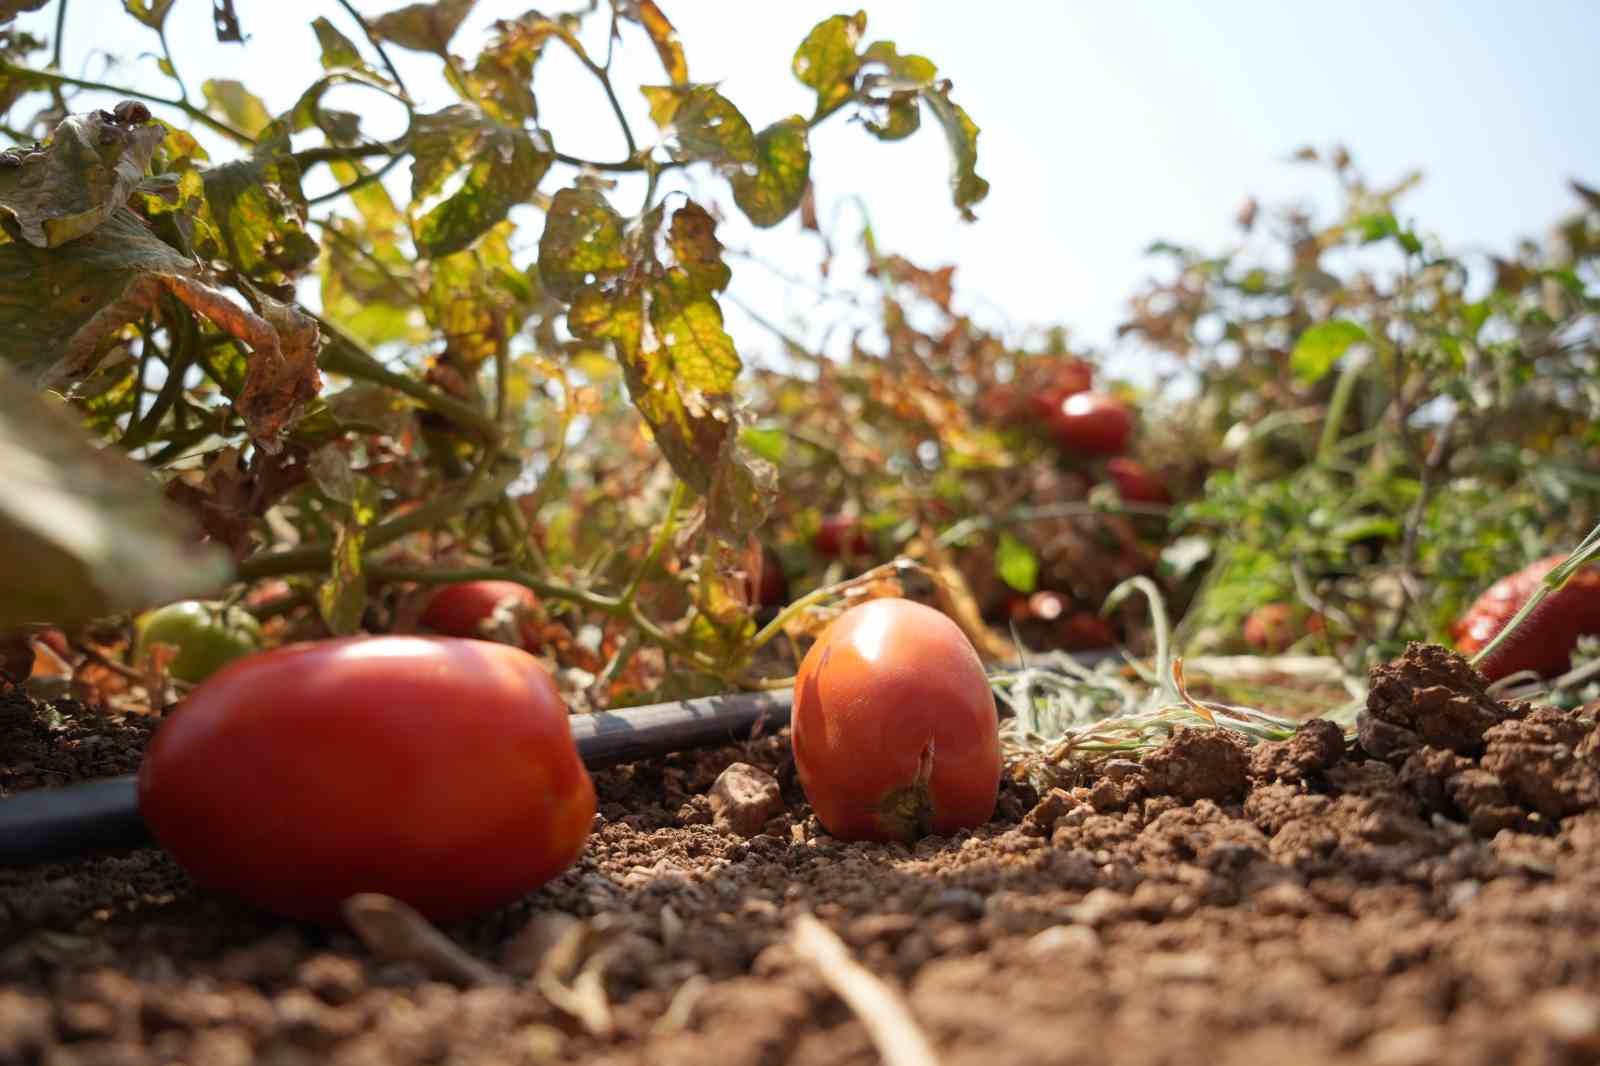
[58, 193]
[395, 932]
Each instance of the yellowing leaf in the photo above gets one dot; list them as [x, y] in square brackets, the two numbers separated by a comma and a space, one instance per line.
[826, 60]
[665, 38]
[425, 27]
[782, 168]
[503, 168]
[230, 100]
[87, 171]
[704, 123]
[1321, 346]
[581, 243]
[966, 187]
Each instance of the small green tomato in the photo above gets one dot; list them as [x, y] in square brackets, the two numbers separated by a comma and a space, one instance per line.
[206, 635]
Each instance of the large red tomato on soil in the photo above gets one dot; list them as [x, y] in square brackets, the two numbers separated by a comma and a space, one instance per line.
[1134, 481]
[462, 609]
[1092, 423]
[841, 535]
[1544, 642]
[437, 770]
[894, 725]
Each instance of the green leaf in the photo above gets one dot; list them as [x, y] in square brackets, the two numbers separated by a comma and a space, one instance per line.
[425, 27]
[783, 165]
[339, 52]
[259, 215]
[73, 185]
[85, 532]
[582, 242]
[503, 167]
[966, 187]
[768, 442]
[342, 598]
[1380, 226]
[826, 60]
[665, 38]
[230, 100]
[1321, 346]
[152, 13]
[705, 124]
[1016, 564]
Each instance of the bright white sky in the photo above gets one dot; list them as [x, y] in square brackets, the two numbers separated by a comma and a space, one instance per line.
[1105, 125]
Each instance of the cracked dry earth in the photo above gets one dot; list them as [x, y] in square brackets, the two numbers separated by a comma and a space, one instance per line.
[1431, 894]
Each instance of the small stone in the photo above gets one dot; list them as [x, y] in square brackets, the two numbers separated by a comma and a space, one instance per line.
[1406, 1045]
[1067, 939]
[1568, 1016]
[744, 798]
[961, 903]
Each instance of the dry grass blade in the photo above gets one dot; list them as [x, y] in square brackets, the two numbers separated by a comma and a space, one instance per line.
[888, 1022]
[393, 931]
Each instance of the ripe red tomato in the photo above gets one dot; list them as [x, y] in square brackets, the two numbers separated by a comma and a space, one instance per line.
[463, 609]
[894, 729]
[1085, 631]
[1135, 483]
[771, 589]
[841, 535]
[1092, 423]
[1273, 627]
[437, 770]
[1543, 643]
[1065, 378]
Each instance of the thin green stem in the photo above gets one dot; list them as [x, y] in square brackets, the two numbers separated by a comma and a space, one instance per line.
[182, 105]
[662, 538]
[1553, 581]
[56, 53]
[377, 45]
[183, 90]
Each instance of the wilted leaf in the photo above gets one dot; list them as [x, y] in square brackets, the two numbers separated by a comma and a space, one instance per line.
[10, 9]
[341, 127]
[259, 214]
[706, 125]
[826, 60]
[503, 168]
[904, 77]
[152, 13]
[85, 532]
[501, 80]
[1321, 346]
[342, 598]
[50, 300]
[231, 100]
[680, 366]
[665, 38]
[1589, 195]
[423, 27]
[693, 240]
[783, 166]
[581, 243]
[477, 298]
[966, 187]
[87, 170]
[1016, 564]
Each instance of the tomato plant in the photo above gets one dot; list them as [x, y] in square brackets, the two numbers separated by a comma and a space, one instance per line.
[895, 731]
[1545, 641]
[205, 636]
[475, 608]
[1092, 423]
[437, 770]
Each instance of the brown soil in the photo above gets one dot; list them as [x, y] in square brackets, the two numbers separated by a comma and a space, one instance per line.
[1295, 902]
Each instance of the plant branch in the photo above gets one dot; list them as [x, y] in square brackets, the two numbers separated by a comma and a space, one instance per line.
[182, 105]
[377, 45]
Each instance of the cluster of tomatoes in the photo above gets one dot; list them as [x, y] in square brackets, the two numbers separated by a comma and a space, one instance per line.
[441, 769]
